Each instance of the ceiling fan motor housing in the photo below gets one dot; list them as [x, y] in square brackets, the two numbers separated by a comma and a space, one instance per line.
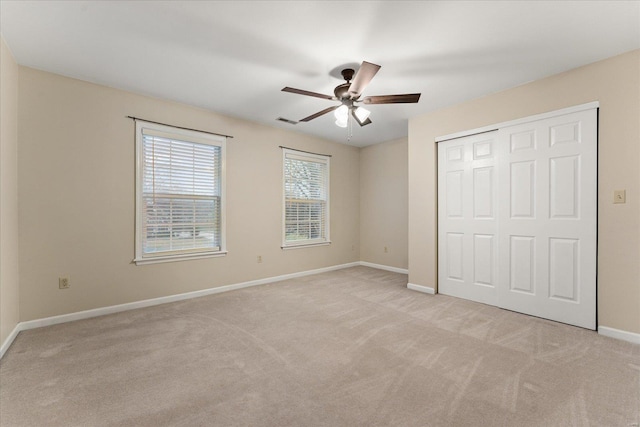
[342, 91]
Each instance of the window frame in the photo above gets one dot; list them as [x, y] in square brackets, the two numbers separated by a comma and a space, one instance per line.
[311, 157]
[189, 136]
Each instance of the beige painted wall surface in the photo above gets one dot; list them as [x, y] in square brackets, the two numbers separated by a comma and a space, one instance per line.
[76, 184]
[9, 292]
[384, 204]
[615, 83]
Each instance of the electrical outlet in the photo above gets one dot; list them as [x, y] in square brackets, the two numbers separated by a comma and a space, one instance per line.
[619, 196]
[259, 259]
[63, 283]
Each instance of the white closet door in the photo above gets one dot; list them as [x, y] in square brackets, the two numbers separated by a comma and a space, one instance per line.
[517, 211]
[547, 218]
[467, 209]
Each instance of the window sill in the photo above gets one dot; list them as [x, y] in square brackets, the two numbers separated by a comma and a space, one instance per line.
[174, 258]
[304, 245]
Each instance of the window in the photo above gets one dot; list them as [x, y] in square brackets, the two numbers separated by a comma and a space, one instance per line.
[180, 194]
[306, 199]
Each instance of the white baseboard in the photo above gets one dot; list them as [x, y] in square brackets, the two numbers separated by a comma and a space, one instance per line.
[421, 288]
[47, 321]
[7, 342]
[619, 334]
[86, 314]
[384, 267]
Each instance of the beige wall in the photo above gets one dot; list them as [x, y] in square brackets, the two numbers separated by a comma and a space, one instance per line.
[383, 203]
[76, 185]
[9, 292]
[615, 83]
[76, 181]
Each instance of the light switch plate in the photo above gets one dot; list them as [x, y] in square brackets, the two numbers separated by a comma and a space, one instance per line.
[619, 196]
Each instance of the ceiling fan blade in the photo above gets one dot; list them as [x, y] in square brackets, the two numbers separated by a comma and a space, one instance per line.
[392, 99]
[363, 77]
[363, 123]
[308, 93]
[319, 113]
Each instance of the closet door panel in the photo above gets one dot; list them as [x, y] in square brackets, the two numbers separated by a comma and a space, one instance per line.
[467, 207]
[550, 179]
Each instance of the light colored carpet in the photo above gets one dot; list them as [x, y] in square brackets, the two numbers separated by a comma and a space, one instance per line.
[352, 347]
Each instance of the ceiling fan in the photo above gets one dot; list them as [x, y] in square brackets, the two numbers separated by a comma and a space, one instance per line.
[349, 96]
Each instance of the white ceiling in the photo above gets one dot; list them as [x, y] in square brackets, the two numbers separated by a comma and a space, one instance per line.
[234, 57]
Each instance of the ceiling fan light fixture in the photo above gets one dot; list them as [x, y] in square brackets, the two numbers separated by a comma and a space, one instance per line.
[341, 113]
[342, 116]
[362, 114]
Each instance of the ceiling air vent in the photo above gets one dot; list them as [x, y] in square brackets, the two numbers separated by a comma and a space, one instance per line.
[291, 122]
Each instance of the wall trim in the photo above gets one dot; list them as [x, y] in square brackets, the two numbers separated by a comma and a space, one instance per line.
[7, 342]
[86, 314]
[421, 288]
[568, 110]
[384, 267]
[619, 334]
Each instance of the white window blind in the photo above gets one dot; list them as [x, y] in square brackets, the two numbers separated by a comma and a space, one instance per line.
[306, 198]
[180, 193]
